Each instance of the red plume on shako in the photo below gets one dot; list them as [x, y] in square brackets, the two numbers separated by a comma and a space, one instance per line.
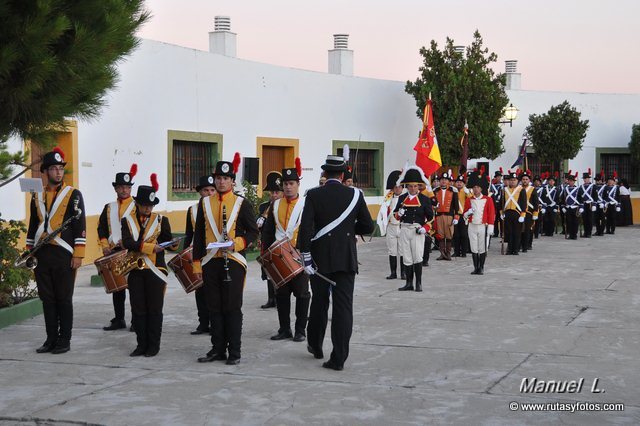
[236, 162]
[154, 182]
[133, 171]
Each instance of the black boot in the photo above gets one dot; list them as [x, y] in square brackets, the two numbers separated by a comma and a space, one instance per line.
[233, 329]
[65, 316]
[116, 324]
[475, 263]
[51, 326]
[481, 259]
[403, 276]
[154, 333]
[283, 303]
[141, 334]
[417, 269]
[408, 270]
[271, 301]
[302, 314]
[393, 264]
[218, 351]
[425, 258]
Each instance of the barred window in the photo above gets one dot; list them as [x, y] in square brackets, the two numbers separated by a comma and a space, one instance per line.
[538, 167]
[362, 162]
[190, 161]
[620, 163]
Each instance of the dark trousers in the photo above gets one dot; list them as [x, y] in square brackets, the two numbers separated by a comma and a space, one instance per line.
[299, 287]
[572, 223]
[497, 226]
[55, 280]
[428, 241]
[549, 222]
[610, 216]
[342, 316]
[204, 316]
[587, 220]
[119, 298]
[512, 231]
[224, 300]
[146, 295]
[461, 239]
[527, 233]
[600, 220]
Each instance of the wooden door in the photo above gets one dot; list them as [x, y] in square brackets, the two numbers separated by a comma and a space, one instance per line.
[273, 158]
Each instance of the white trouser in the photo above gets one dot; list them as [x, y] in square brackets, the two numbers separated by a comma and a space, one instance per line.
[411, 243]
[393, 239]
[477, 237]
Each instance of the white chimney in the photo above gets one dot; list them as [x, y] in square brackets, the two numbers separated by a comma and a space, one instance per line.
[341, 58]
[222, 41]
[459, 49]
[513, 76]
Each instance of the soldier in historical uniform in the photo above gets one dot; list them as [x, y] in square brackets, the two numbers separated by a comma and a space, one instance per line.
[284, 222]
[571, 207]
[427, 191]
[445, 202]
[531, 211]
[349, 178]
[333, 215]
[495, 190]
[513, 211]
[539, 188]
[549, 206]
[58, 260]
[390, 226]
[599, 218]
[205, 188]
[587, 195]
[143, 233]
[460, 234]
[225, 227]
[110, 235]
[611, 197]
[414, 212]
[274, 187]
[480, 212]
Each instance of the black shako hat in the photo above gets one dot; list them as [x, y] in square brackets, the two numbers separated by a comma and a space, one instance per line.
[477, 178]
[413, 175]
[226, 168]
[392, 179]
[293, 173]
[204, 182]
[146, 195]
[53, 158]
[274, 182]
[334, 163]
[124, 178]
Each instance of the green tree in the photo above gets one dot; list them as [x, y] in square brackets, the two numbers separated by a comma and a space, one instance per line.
[463, 87]
[558, 134]
[14, 282]
[58, 58]
[634, 146]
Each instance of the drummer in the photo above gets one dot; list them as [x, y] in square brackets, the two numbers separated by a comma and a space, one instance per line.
[205, 188]
[142, 233]
[284, 221]
[110, 235]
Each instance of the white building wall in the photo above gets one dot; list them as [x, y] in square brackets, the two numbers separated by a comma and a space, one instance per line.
[165, 87]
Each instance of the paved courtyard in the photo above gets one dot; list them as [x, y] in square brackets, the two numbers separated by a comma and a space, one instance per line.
[454, 354]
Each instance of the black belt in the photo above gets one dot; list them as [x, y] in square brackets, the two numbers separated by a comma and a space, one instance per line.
[444, 214]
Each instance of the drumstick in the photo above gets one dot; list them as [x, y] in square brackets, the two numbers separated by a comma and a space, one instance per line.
[333, 283]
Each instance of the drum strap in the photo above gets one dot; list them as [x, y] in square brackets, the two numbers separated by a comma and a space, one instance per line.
[331, 226]
[294, 220]
[115, 234]
[149, 231]
[218, 236]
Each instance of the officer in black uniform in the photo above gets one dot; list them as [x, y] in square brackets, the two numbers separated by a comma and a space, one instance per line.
[495, 190]
[549, 206]
[333, 215]
[599, 215]
[204, 188]
[274, 186]
[587, 196]
[571, 207]
[142, 233]
[58, 260]
[110, 235]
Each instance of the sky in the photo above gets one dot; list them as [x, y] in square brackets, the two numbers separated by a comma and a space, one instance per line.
[561, 45]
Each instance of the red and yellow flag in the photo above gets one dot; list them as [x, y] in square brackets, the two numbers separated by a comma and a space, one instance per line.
[427, 151]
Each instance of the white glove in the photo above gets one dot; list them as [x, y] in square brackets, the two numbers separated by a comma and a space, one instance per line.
[580, 210]
[502, 216]
[490, 229]
[401, 212]
[593, 208]
[617, 209]
[422, 231]
[308, 263]
[564, 210]
[535, 217]
[260, 221]
[455, 221]
[521, 219]
[601, 206]
[543, 211]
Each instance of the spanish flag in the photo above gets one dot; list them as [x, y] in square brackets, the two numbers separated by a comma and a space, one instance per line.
[427, 151]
